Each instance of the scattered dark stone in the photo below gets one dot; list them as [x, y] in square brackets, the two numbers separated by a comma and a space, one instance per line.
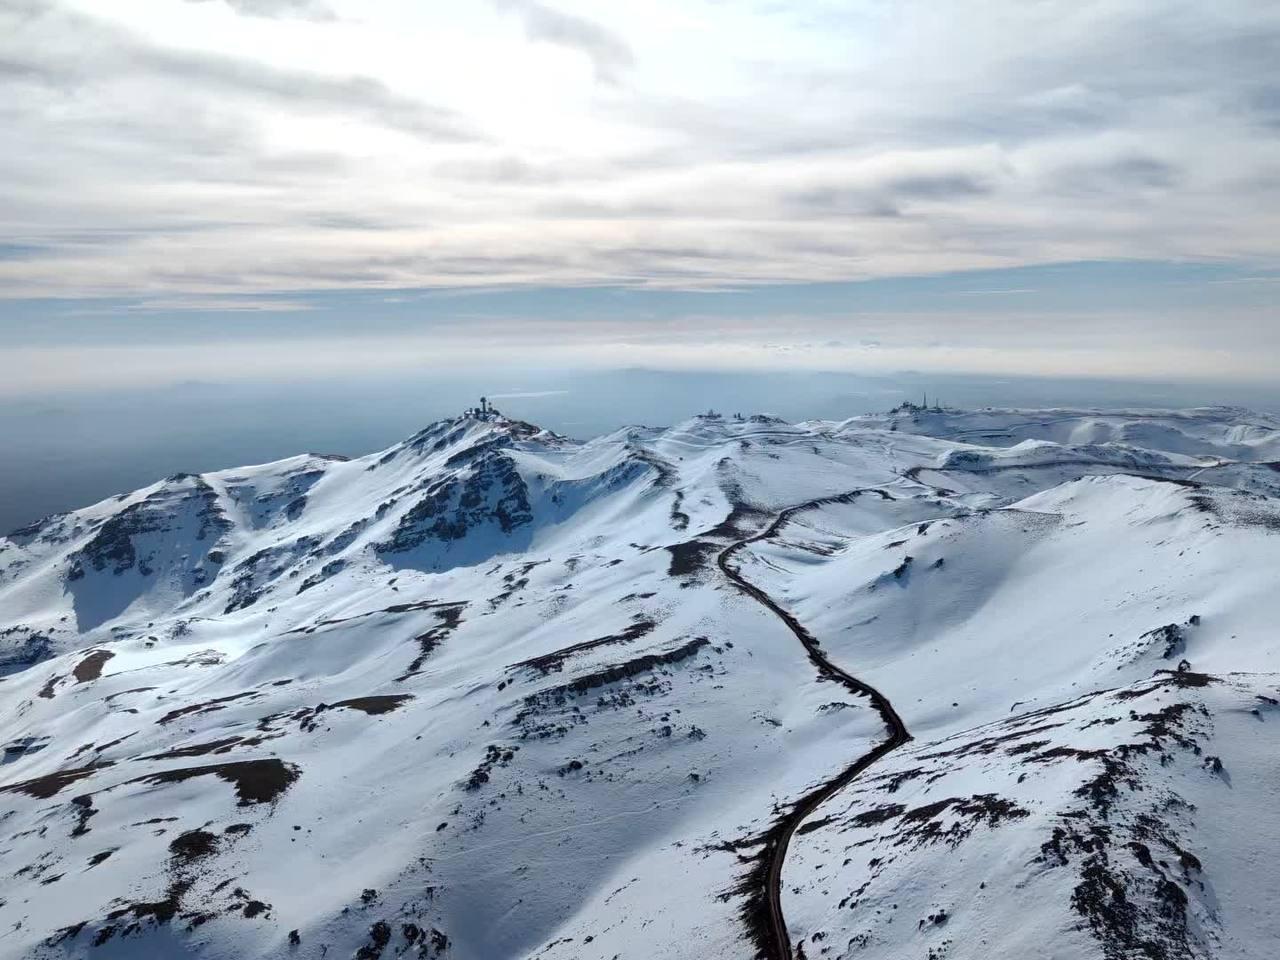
[50, 685]
[1142, 853]
[690, 558]
[66, 933]
[193, 845]
[639, 665]
[561, 695]
[494, 756]
[84, 810]
[379, 936]
[161, 911]
[328, 571]
[450, 616]
[550, 662]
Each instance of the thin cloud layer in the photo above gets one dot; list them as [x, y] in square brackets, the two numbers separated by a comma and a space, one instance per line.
[303, 9]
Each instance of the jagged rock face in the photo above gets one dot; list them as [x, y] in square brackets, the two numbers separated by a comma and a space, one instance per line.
[283, 501]
[494, 693]
[132, 538]
[253, 575]
[487, 490]
[22, 648]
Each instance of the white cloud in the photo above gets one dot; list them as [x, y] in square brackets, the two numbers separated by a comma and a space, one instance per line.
[164, 148]
[609, 55]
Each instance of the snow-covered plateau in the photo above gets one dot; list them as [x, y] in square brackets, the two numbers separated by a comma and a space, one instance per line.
[927, 684]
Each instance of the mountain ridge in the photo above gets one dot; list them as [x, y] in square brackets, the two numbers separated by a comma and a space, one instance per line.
[313, 697]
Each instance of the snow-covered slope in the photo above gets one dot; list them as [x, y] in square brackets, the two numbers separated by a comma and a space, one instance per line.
[496, 693]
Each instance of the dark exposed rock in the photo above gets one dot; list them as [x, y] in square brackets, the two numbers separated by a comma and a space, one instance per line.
[252, 576]
[691, 557]
[115, 544]
[450, 616]
[621, 671]
[379, 937]
[487, 489]
[330, 569]
[193, 845]
[494, 756]
[207, 706]
[554, 662]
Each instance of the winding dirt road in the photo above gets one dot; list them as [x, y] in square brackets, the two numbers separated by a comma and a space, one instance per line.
[763, 886]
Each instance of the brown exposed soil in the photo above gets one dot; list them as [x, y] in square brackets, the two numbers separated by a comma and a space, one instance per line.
[90, 668]
[375, 705]
[203, 749]
[691, 557]
[208, 706]
[193, 845]
[51, 783]
[256, 781]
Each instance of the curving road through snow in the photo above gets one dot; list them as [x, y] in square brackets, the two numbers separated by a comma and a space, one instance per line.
[765, 917]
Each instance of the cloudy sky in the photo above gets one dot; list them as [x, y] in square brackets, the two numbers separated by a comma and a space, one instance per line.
[304, 186]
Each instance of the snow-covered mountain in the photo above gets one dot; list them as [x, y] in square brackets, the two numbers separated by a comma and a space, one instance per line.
[928, 684]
